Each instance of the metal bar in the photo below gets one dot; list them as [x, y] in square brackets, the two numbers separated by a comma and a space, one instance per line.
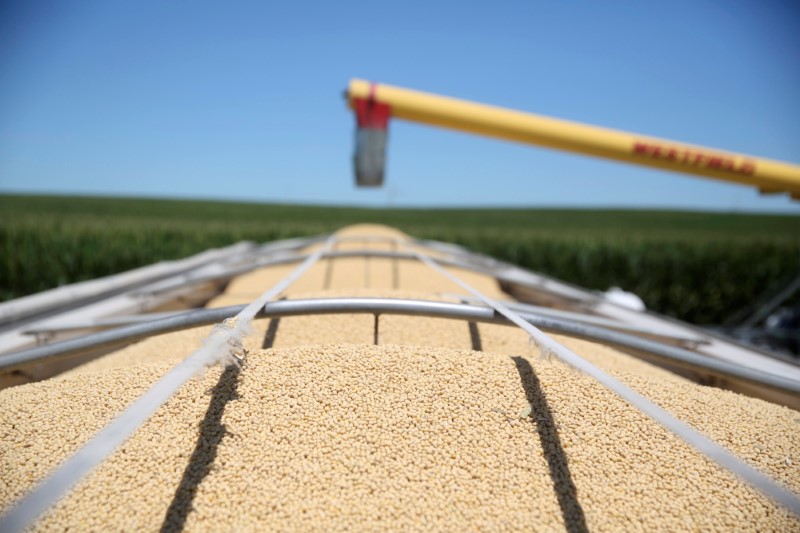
[662, 353]
[757, 479]
[78, 294]
[522, 308]
[458, 262]
[105, 322]
[219, 347]
[266, 255]
[389, 306]
[588, 319]
[581, 138]
[264, 263]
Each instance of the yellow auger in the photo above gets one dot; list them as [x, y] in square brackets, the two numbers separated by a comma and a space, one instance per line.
[374, 104]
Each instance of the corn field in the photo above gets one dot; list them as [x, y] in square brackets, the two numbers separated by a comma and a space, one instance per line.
[698, 267]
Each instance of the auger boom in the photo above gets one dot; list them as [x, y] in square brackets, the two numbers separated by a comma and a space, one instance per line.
[375, 103]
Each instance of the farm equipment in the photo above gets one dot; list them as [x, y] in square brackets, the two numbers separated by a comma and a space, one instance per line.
[374, 104]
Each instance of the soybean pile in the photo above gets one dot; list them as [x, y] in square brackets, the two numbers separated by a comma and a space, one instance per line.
[387, 438]
[704, 268]
[339, 422]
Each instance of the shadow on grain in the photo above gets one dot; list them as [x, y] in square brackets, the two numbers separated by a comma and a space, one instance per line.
[205, 452]
[567, 494]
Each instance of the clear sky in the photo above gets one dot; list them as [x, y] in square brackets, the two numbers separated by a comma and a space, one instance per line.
[243, 100]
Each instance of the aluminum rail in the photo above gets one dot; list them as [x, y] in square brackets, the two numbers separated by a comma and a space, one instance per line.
[768, 486]
[223, 346]
[769, 176]
[284, 260]
[117, 321]
[273, 261]
[654, 351]
[474, 264]
[265, 255]
[583, 318]
[70, 296]
[104, 322]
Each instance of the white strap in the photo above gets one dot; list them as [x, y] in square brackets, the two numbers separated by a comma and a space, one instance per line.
[700, 442]
[220, 347]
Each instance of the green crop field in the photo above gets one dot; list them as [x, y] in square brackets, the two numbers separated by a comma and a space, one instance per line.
[699, 267]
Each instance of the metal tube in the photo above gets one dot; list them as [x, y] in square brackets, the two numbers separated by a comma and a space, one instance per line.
[583, 318]
[662, 353]
[287, 308]
[768, 175]
[232, 272]
[115, 337]
[534, 310]
[82, 293]
[458, 262]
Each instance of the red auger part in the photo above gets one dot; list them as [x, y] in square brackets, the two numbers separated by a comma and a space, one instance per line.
[372, 126]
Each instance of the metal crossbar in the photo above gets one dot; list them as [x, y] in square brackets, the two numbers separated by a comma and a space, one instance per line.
[649, 349]
[117, 321]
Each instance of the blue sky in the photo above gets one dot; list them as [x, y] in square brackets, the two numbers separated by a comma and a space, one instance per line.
[243, 100]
